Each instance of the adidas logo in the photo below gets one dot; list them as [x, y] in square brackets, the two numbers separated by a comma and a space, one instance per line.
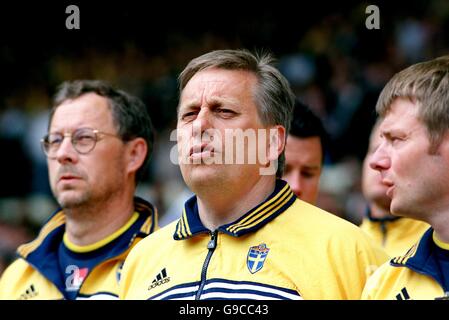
[403, 295]
[29, 293]
[160, 279]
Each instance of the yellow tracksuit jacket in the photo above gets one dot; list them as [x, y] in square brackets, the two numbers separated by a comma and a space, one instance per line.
[37, 274]
[283, 248]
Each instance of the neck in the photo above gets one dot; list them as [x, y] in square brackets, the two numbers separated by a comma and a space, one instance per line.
[379, 212]
[91, 223]
[229, 206]
[441, 227]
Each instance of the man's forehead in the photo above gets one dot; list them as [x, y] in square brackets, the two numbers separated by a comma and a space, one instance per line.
[386, 127]
[398, 123]
[86, 108]
[304, 147]
[197, 85]
[196, 100]
[380, 128]
[214, 79]
[83, 107]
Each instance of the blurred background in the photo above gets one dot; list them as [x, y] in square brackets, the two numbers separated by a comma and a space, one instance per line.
[333, 62]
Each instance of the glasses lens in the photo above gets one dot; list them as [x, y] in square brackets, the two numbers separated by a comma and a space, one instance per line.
[84, 140]
[51, 143]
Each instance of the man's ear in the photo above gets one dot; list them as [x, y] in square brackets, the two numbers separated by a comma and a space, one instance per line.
[276, 142]
[275, 146]
[440, 148]
[136, 152]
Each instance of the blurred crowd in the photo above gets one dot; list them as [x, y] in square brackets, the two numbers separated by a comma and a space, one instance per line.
[335, 65]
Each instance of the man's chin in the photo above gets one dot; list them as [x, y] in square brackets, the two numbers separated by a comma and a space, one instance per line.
[382, 201]
[203, 177]
[397, 209]
[71, 201]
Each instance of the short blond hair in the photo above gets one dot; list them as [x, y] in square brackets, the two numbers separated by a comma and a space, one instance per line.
[426, 84]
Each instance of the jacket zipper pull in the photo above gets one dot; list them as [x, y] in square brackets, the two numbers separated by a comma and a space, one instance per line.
[212, 244]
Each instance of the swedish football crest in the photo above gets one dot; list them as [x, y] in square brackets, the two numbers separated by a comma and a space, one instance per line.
[256, 257]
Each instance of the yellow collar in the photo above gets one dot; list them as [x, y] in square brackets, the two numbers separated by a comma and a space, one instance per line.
[280, 200]
[91, 247]
[438, 242]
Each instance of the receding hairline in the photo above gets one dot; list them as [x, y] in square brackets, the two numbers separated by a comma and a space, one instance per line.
[252, 79]
[107, 100]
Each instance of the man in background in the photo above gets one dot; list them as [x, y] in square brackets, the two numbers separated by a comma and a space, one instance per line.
[304, 153]
[98, 146]
[413, 160]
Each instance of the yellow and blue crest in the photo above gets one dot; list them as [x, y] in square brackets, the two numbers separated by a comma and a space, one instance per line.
[256, 257]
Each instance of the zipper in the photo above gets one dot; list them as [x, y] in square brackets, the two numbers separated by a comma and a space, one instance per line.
[211, 245]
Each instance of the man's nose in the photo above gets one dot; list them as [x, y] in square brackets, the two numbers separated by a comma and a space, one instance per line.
[201, 125]
[203, 121]
[66, 152]
[380, 160]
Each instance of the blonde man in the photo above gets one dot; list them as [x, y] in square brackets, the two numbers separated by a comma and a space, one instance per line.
[413, 159]
[395, 234]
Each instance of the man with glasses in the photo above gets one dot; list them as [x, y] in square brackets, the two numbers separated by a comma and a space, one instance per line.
[98, 147]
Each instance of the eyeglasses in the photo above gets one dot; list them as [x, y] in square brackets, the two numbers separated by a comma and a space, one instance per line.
[83, 140]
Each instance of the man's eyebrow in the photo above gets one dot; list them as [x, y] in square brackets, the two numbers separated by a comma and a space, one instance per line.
[316, 167]
[226, 100]
[190, 103]
[193, 103]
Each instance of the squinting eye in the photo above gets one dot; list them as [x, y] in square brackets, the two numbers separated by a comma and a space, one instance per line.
[394, 139]
[83, 137]
[188, 116]
[226, 111]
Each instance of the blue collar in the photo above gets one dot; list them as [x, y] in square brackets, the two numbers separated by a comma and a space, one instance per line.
[425, 257]
[386, 219]
[280, 200]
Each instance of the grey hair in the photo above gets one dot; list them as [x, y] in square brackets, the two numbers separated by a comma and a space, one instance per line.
[426, 84]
